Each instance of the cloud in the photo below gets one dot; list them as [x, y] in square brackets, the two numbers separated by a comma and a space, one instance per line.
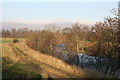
[87, 22]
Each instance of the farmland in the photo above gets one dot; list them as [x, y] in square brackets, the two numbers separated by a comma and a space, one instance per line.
[6, 40]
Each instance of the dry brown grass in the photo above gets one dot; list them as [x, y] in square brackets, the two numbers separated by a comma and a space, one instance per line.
[57, 63]
[8, 52]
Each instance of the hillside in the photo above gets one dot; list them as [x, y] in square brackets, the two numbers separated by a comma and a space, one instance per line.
[20, 58]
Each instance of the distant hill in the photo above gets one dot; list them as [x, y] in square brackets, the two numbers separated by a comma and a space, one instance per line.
[9, 26]
[37, 26]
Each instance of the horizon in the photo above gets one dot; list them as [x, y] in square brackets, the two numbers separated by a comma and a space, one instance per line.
[87, 13]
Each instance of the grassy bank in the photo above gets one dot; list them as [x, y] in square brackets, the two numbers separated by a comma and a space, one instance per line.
[17, 70]
[57, 63]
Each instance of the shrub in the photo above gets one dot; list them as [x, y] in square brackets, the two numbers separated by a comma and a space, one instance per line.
[15, 40]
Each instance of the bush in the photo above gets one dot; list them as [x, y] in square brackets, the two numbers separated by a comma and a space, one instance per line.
[15, 40]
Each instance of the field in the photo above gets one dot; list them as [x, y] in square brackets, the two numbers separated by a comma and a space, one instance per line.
[9, 40]
[6, 40]
[19, 61]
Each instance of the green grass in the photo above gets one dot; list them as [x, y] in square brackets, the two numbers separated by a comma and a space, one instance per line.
[9, 40]
[10, 69]
[2, 41]
[18, 70]
[6, 40]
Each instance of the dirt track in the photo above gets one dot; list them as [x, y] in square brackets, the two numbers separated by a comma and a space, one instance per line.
[31, 60]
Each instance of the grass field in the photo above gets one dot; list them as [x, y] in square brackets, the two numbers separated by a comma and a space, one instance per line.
[13, 67]
[17, 70]
[10, 40]
[19, 61]
[6, 40]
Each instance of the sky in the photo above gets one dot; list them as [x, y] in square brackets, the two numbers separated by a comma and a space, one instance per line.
[44, 12]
